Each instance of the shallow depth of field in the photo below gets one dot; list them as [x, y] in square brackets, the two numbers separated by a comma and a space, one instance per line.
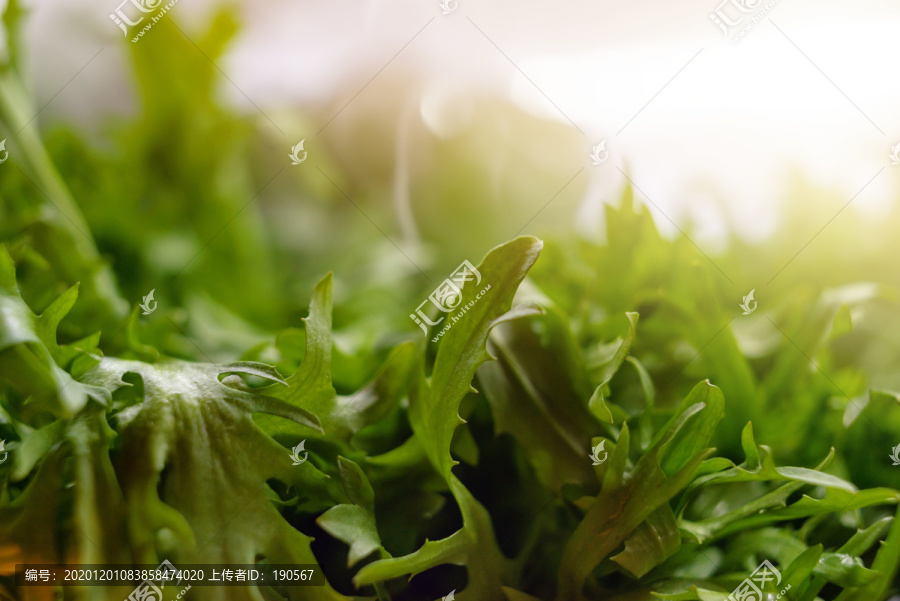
[663, 386]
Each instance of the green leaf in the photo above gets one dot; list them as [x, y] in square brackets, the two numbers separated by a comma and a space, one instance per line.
[455, 549]
[885, 566]
[193, 439]
[652, 543]
[354, 523]
[35, 445]
[752, 514]
[759, 466]
[858, 544]
[604, 368]
[310, 385]
[701, 411]
[434, 415]
[844, 570]
[532, 401]
[27, 346]
[434, 404]
[626, 500]
[84, 523]
[799, 570]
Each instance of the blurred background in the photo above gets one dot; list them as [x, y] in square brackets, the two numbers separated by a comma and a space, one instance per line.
[711, 130]
[437, 131]
[433, 137]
